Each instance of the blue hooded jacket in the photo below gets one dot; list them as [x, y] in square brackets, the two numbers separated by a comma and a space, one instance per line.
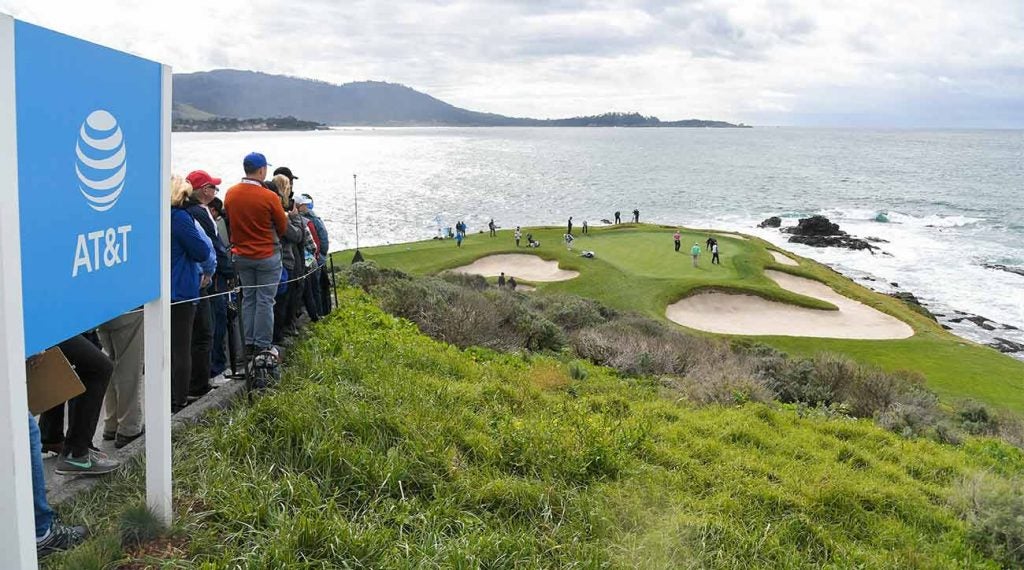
[188, 251]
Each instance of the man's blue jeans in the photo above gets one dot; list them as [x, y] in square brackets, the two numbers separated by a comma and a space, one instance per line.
[258, 302]
[44, 516]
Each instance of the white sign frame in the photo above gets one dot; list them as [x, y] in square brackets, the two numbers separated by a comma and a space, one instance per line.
[17, 526]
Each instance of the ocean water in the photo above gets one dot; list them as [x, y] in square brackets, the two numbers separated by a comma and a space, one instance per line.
[953, 199]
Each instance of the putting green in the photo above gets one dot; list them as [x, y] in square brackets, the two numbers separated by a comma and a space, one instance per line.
[637, 270]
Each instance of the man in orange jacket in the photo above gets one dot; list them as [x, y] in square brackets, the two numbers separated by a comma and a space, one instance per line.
[257, 220]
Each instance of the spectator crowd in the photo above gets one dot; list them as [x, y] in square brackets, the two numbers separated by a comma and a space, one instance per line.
[243, 270]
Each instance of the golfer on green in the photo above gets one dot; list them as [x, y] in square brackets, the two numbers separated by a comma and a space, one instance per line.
[695, 252]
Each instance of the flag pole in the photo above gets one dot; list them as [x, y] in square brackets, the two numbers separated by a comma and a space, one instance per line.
[355, 197]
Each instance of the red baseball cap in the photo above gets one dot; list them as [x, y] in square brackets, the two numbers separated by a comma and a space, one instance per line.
[200, 178]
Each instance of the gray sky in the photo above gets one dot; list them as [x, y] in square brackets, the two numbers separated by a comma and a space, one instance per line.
[909, 63]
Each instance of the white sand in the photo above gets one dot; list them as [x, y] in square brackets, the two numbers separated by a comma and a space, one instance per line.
[752, 315]
[734, 236]
[520, 266]
[783, 258]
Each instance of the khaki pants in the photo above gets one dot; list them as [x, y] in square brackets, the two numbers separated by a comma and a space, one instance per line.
[122, 340]
[695, 260]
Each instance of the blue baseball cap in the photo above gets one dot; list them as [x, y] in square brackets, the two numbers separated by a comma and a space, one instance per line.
[254, 161]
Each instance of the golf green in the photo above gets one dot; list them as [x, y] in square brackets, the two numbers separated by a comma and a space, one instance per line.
[636, 269]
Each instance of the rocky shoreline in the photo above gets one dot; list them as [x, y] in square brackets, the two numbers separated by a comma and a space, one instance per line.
[819, 231]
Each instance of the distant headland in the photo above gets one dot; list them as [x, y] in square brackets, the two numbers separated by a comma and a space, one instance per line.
[229, 100]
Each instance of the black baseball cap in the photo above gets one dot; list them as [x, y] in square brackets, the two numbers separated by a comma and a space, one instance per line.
[286, 171]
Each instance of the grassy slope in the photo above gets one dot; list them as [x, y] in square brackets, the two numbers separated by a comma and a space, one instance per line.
[386, 449]
[636, 269]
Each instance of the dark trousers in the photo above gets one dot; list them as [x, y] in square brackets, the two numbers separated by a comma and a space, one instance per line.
[83, 411]
[326, 288]
[219, 309]
[311, 295]
[286, 305]
[714, 258]
[202, 341]
[677, 245]
[295, 298]
[235, 335]
[182, 319]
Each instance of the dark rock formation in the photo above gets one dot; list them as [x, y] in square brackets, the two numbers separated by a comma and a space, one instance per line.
[772, 222]
[1007, 268]
[818, 231]
[833, 241]
[911, 300]
[1006, 346]
[815, 226]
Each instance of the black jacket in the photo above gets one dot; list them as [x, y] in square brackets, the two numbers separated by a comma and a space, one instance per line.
[225, 268]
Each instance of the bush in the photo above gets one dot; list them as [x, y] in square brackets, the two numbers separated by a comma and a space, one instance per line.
[367, 275]
[569, 311]
[975, 418]
[471, 280]
[916, 414]
[466, 316]
[994, 510]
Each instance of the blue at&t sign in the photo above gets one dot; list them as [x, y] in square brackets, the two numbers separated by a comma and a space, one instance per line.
[89, 154]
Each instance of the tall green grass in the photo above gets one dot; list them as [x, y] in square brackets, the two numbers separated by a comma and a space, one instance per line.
[383, 448]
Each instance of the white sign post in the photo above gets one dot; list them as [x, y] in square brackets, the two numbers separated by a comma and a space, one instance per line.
[85, 134]
[17, 525]
[157, 325]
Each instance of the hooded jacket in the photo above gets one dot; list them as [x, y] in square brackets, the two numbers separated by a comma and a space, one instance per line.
[189, 249]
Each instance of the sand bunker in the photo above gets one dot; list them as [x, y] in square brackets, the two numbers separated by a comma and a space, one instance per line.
[525, 267]
[734, 236]
[783, 258]
[751, 315]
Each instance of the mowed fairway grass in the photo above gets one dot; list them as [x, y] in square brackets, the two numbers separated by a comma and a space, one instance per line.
[637, 270]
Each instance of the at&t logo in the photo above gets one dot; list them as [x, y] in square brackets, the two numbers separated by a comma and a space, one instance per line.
[101, 167]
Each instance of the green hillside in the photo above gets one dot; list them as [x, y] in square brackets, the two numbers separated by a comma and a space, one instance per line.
[383, 448]
[636, 270]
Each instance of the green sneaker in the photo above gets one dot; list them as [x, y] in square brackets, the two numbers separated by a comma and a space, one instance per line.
[89, 464]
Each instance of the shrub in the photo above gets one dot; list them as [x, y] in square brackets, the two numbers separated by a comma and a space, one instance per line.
[975, 418]
[569, 311]
[994, 510]
[471, 280]
[465, 316]
[635, 345]
[368, 275]
[916, 414]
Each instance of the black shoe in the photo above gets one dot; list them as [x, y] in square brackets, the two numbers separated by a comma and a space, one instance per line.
[62, 537]
[123, 440]
[57, 447]
[193, 396]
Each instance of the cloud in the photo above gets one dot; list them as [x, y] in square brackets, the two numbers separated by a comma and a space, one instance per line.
[778, 61]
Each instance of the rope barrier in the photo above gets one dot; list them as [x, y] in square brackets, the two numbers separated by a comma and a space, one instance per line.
[236, 289]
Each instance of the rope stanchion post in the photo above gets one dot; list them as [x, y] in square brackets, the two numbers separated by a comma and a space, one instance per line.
[334, 282]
